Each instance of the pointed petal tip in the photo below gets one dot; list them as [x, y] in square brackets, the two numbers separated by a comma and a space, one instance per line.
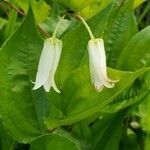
[47, 89]
[99, 88]
[36, 87]
[57, 90]
[32, 81]
[54, 89]
[109, 85]
[113, 81]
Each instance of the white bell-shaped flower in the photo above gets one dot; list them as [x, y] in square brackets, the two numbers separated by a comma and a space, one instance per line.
[48, 63]
[98, 68]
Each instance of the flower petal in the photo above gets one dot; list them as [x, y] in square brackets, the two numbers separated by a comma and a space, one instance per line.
[56, 57]
[98, 68]
[45, 64]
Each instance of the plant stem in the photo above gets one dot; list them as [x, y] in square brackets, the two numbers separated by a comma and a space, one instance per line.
[57, 27]
[86, 25]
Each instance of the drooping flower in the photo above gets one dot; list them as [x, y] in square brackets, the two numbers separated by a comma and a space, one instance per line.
[98, 68]
[48, 63]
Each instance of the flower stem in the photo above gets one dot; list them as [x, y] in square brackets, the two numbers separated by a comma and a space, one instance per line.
[86, 25]
[56, 29]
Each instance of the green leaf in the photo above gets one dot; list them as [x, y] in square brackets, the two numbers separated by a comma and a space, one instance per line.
[43, 7]
[147, 142]
[7, 142]
[95, 7]
[87, 8]
[74, 4]
[144, 110]
[106, 131]
[103, 133]
[136, 55]
[82, 101]
[10, 26]
[132, 96]
[19, 105]
[2, 22]
[137, 52]
[59, 139]
[119, 30]
[78, 99]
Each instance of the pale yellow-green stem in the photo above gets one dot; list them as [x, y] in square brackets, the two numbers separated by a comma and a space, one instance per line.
[86, 25]
[57, 27]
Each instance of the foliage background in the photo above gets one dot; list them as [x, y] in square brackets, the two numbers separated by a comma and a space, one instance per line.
[78, 118]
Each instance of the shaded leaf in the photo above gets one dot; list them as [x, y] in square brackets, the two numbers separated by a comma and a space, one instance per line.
[120, 28]
[106, 131]
[7, 142]
[57, 140]
[137, 52]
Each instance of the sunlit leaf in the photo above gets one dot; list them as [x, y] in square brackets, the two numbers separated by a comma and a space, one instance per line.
[18, 103]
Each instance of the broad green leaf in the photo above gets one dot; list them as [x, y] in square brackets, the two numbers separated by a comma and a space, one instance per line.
[147, 142]
[82, 101]
[133, 95]
[119, 30]
[103, 133]
[95, 7]
[87, 8]
[74, 4]
[10, 26]
[144, 110]
[136, 54]
[21, 108]
[41, 15]
[106, 131]
[82, 131]
[77, 104]
[7, 142]
[3, 23]
[56, 140]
